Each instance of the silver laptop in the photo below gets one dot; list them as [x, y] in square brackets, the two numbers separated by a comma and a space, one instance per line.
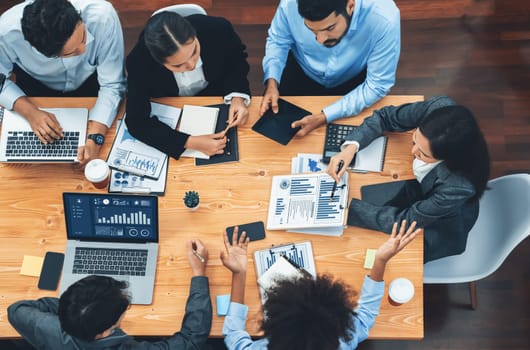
[112, 235]
[18, 143]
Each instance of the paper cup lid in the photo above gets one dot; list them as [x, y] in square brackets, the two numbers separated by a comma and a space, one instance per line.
[401, 290]
[96, 170]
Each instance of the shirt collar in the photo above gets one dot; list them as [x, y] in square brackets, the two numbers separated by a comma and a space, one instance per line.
[355, 18]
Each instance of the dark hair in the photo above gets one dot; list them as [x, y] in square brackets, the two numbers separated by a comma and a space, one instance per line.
[455, 137]
[92, 305]
[308, 314]
[165, 32]
[48, 24]
[317, 10]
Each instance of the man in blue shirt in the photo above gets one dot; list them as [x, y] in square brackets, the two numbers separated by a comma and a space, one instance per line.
[63, 48]
[305, 313]
[335, 47]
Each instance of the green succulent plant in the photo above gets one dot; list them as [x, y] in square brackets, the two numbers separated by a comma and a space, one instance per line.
[191, 199]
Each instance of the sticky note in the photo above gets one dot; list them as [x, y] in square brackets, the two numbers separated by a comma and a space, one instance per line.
[369, 258]
[223, 302]
[31, 265]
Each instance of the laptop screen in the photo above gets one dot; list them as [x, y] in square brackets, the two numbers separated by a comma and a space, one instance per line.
[111, 217]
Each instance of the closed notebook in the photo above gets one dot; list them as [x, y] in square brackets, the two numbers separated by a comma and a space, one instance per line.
[278, 126]
[196, 121]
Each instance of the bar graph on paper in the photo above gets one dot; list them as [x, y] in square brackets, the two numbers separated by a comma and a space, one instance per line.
[300, 253]
[304, 201]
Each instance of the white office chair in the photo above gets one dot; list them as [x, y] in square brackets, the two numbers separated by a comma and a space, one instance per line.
[183, 9]
[503, 223]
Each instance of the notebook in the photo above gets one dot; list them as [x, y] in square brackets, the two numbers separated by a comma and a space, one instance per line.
[231, 151]
[135, 157]
[121, 230]
[370, 158]
[300, 254]
[277, 127]
[195, 121]
[18, 143]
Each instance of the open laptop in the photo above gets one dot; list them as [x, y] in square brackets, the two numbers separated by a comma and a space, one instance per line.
[18, 143]
[112, 235]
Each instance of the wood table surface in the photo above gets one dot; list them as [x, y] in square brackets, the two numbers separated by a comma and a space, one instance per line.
[32, 222]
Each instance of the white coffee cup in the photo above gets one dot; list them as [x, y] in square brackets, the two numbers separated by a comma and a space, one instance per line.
[97, 171]
[400, 291]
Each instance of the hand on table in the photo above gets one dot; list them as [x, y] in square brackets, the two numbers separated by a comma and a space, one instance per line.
[346, 156]
[270, 97]
[309, 123]
[238, 113]
[208, 144]
[197, 251]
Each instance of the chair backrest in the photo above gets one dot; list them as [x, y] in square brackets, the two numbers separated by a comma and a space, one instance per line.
[503, 222]
[183, 9]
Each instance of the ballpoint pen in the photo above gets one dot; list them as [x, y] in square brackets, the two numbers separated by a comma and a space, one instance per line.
[339, 168]
[196, 253]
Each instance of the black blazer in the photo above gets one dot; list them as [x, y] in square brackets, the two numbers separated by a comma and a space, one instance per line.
[440, 203]
[225, 68]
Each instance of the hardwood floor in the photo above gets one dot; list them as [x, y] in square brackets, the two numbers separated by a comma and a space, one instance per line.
[478, 52]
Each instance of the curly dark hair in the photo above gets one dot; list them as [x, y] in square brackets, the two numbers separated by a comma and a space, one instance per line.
[92, 305]
[309, 314]
[48, 24]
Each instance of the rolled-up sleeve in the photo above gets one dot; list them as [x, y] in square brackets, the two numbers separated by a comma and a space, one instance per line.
[110, 69]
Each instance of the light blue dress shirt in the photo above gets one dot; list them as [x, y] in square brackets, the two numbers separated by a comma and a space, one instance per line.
[236, 338]
[372, 41]
[104, 53]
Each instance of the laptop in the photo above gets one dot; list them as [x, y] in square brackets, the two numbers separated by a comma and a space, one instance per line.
[112, 235]
[18, 143]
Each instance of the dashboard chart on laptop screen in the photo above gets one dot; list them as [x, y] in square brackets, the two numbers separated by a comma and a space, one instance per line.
[114, 217]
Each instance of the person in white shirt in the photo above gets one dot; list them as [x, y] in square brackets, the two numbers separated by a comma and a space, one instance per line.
[61, 48]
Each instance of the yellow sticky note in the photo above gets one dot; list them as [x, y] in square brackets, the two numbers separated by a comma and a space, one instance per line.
[31, 265]
[369, 259]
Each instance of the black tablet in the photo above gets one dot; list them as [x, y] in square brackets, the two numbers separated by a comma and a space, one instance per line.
[278, 126]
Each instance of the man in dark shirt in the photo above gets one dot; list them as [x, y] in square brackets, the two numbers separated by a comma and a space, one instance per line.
[89, 313]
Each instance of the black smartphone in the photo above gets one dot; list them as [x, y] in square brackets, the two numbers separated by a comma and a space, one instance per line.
[254, 230]
[51, 271]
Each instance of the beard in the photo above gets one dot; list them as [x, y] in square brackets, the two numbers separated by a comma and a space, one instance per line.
[335, 41]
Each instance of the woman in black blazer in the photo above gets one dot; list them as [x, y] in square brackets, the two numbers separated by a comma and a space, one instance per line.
[194, 56]
[451, 165]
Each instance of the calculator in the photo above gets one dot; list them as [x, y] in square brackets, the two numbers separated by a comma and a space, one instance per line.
[335, 135]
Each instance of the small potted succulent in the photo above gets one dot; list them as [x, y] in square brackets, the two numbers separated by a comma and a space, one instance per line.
[191, 199]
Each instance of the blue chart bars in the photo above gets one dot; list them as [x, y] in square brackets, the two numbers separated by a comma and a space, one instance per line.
[304, 201]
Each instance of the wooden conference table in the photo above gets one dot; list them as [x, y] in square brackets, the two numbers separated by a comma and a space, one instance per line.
[32, 222]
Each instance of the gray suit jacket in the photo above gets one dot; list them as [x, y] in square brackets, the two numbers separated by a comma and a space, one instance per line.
[38, 322]
[440, 204]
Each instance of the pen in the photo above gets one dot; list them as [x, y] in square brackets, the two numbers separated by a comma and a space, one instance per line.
[339, 168]
[303, 271]
[196, 253]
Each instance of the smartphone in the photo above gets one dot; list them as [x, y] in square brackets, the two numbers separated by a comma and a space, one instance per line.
[254, 230]
[51, 271]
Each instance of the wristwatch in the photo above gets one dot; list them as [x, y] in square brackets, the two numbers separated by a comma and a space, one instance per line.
[97, 138]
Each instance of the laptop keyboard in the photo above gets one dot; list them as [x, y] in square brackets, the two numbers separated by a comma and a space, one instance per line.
[26, 144]
[103, 261]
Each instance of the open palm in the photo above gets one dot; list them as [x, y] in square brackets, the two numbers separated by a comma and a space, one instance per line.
[235, 257]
